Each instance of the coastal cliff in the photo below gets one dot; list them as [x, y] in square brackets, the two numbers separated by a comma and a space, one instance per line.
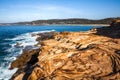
[91, 55]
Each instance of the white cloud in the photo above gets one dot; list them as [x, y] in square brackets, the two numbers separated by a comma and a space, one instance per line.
[29, 13]
[46, 8]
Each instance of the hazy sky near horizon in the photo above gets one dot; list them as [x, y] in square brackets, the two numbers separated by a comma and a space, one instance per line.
[28, 10]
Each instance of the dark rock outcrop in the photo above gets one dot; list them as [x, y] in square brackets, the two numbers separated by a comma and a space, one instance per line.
[112, 31]
[26, 57]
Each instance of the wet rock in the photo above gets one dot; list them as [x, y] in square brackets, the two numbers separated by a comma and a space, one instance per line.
[28, 54]
[18, 45]
[112, 31]
[115, 23]
[45, 36]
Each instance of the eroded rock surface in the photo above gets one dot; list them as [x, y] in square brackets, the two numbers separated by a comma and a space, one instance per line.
[92, 55]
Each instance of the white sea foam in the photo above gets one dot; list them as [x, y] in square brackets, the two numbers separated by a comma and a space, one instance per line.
[24, 40]
[27, 39]
[5, 74]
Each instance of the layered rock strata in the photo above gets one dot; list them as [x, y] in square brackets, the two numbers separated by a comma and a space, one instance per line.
[91, 55]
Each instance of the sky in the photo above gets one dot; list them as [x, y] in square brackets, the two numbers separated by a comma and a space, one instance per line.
[29, 10]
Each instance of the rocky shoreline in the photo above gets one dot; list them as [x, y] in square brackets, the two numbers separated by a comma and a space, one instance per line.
[91, 55]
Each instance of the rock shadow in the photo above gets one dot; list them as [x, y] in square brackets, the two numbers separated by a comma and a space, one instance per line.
[110, 31]
[29, 68]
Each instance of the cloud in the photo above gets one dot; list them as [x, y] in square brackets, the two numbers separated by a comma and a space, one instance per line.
[29, 12]
[45, 8]
[58, 11]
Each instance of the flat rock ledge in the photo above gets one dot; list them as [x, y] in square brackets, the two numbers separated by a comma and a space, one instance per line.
[91, 55]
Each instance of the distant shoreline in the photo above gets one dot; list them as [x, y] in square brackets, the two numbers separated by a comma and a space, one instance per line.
[71, 21]
[66, 22]
[55, 25]
[77, 25]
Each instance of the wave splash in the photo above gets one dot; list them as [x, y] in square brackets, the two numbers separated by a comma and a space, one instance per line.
[22, 40]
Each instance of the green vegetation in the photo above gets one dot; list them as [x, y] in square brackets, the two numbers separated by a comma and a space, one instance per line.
[67, 21]
[70, 21]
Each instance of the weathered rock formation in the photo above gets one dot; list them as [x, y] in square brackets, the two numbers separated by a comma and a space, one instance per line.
[92, 55]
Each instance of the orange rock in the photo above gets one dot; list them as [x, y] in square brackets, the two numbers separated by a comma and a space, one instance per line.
[74, 56]
[36, 74]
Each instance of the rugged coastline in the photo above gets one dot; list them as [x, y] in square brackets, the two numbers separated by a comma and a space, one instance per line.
[91, 55]
[69, 21]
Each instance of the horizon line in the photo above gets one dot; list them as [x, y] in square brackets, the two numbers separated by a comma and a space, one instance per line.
[56, 19]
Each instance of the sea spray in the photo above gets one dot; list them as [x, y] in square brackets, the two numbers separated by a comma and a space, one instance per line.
[15, 50]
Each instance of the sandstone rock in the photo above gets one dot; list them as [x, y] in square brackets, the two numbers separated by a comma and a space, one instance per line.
[73, 56]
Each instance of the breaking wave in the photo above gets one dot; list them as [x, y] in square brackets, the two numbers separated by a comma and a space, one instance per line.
[14, 50]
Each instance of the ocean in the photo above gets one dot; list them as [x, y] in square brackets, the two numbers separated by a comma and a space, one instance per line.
[10, 35]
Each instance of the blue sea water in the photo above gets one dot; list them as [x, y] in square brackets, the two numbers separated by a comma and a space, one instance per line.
[10, 35]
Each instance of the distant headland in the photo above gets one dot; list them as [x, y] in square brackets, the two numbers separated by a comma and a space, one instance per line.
[70, 21]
